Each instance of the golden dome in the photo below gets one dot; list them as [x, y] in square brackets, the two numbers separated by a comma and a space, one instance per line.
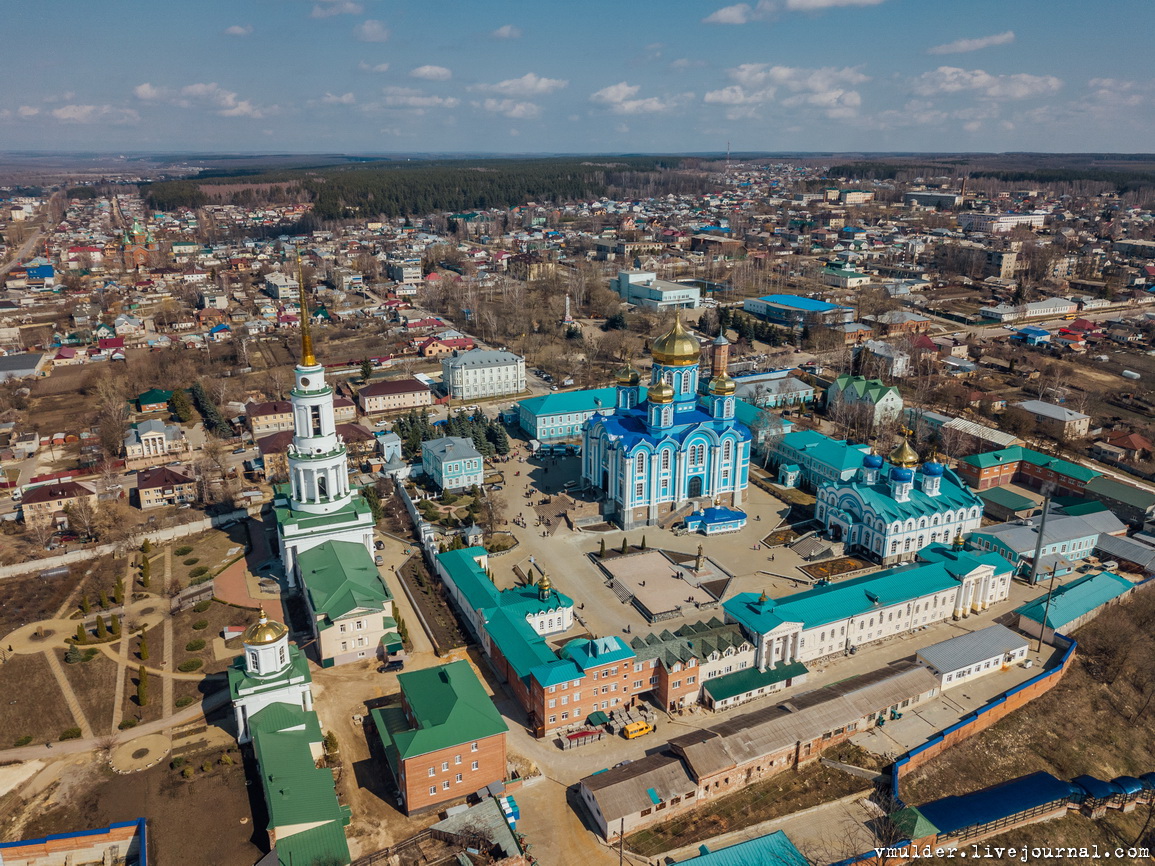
[264, 631]
[723, 385]
[660, 392]
[904, 456]
[627, 375]
[678, 347]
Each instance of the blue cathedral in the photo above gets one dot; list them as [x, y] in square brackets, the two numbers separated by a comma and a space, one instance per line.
[678, 450]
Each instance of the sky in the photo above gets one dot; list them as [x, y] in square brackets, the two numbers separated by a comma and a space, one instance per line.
[381, 76]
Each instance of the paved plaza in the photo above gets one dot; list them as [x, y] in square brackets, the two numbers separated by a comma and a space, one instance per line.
[665, 589]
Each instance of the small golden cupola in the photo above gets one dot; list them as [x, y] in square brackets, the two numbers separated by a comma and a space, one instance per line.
[264, 631]
[627, 375]
[904, 456]
[660, 392]
[677, 347]
[723, 385]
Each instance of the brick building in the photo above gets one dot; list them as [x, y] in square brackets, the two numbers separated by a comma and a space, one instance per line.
[445, 741]
[1023, 466]
[165, 485]
[394, 395]
[46, 503]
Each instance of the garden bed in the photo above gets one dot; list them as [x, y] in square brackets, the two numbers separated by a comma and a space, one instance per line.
[426, 592]
[833, 568]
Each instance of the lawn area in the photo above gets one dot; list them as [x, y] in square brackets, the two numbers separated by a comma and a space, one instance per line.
[1097, 720]
[94, 683]
[33, 705]
[197, 690]
[790, 791]
[454, 512]
[28, 599]
[102, 576]
[211, 550]
[218, 615]
[832, 568]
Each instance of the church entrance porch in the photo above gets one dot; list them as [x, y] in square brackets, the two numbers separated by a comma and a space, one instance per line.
[694, 489]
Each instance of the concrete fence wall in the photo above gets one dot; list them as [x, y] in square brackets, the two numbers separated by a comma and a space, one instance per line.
[156, 536]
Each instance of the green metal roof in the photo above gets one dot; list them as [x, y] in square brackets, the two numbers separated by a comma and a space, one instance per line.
[241, 683]
[1121, 491]
[296, 791]
[913, 824]
[450, 707]
[1018, 454]
[1007, 498]
[589, 653]
[773, 849]
[340, 578]
[1076, 599]
[305, 521]
[325, 844]
[751, 679]
[155, 395]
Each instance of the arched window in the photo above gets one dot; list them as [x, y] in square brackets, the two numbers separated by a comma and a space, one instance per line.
[667, 416]
[665, 458]
[322, 487]
[727, 450]
[640, 464]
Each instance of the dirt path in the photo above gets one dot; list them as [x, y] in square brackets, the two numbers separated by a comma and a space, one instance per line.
[166, 683]
[121, 668]
[69, 695]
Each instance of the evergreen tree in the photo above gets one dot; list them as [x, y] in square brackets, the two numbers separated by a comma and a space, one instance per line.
[625, 546]
[85, 605]
[366, 370]
[101, 629]
[81, 634]
[142, 647]
[145, 573]
[602, 549]
[498, 438]
[181, 408]
[103, 599]
[142, 686]
[146, 547]
[118, 591]
[643, 542]
[114, 625]
[73, 655]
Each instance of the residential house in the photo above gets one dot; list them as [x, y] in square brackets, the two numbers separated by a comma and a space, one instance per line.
[445, 740]
[154, 400]
[881, 402]
[280, 287]
[270, 417]
[47, 503]
[1057, 421]
[394, 395]
[894, 322]
[452, 462]
[23, 365]
[165, 485]
[884, 358]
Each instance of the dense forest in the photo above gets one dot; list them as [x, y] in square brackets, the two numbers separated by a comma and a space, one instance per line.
[394, 189]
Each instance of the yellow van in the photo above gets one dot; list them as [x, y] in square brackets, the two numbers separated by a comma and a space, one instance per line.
[637, 729]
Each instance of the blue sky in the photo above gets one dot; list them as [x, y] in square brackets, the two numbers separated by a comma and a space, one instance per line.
[593, 76]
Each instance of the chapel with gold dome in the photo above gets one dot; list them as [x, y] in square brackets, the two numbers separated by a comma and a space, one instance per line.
[680, 445]
[271, 671]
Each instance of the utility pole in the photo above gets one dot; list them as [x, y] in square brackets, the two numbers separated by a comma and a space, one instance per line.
[1042, 529]
[621, 841]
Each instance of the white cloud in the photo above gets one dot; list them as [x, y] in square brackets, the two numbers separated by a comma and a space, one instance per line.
[951, 79]
[829, 88]
[813, 5]
[373, 67]
[27, 111]
[620, 99]
[94, 114]
[329, 8]
[962, 46]
[511, 108]
[687, 63]
[431, 73]
[339, 99]
[507, 31]
[371, 30]
[528, 85]
[742, 13]
[226, 102]
[239, 30]
[408, 97]
[148, 92]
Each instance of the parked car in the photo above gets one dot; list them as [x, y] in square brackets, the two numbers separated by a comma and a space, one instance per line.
[378, 560]
[378, 544]
[389, 667]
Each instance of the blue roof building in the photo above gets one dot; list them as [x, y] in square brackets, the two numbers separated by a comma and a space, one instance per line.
[798, 310]
[1072, 605]
[682, 443]
[773, 849]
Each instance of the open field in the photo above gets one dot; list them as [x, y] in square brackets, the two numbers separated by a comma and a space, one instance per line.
[32, 705]
[94, 683]
[28, 599]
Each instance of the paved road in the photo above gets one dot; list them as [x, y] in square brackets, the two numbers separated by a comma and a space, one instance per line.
[22, 252]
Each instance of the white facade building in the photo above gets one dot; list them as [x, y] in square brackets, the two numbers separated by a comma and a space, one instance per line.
[481, 373]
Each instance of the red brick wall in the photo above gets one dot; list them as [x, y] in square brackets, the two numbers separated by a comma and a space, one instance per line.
[490, 757]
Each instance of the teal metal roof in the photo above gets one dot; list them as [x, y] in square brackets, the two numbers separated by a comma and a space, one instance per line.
[880, 498]
[751, 679]
[1007, 498]
[568, 402]
[774, 849]
[1018, 454]
[340, 578]
[835, 453]
[859, 595]
[595, 652]
[1076, 599]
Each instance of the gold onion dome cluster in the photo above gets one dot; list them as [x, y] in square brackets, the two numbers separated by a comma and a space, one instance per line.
[264, 630]
[722, 385]
[677, 347]
[904, 456]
